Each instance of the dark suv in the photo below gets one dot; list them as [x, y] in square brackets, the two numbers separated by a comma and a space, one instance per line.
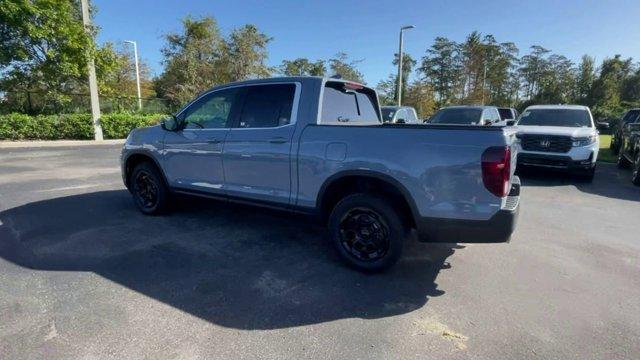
[616, 133]
[629, 148]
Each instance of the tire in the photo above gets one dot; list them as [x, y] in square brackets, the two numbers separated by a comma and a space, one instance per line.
[635, 175]
[587, 176]
[150, 193]
[367, 232]
[622, 163]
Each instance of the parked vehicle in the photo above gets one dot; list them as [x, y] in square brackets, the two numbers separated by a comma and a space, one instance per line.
[318, 146]
[616, 137]
[467, 115]
[629, 148]
[399, 115]
[560, 137]
[507, 114]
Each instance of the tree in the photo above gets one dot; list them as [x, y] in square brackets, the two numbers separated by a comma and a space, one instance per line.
[387, 90]
[420, 95]
[247, 53]
[441, 68]
[194, 61]
[342, 66]
[533, 68]
[407, 67]
[117, 77]
[302, 67]
[631, 88]
[585, 78]
[200, 57]
[43, 44]
[606, 92]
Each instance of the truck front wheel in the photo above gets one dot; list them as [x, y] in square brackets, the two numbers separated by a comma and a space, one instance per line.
[149, 190]
[367, 232]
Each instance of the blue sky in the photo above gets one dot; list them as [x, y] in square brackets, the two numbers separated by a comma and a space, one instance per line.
[369, 29]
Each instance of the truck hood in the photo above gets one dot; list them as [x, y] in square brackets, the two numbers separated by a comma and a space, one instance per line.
[555, 130]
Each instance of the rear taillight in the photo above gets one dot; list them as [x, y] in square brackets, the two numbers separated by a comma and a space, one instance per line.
[496, 169]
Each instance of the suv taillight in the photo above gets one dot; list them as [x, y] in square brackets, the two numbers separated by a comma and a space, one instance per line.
[496, 169]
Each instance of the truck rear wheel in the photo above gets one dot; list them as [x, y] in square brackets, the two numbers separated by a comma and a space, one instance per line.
[149, 190]
[367, 232]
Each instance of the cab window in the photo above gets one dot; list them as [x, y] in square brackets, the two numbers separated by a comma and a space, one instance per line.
[211, 111]
[267, 106]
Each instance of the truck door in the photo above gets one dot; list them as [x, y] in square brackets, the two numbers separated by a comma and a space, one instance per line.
[193, 155]
[257, 151]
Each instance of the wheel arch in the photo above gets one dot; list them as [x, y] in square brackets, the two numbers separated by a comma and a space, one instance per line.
[341, 184]
[137, 157]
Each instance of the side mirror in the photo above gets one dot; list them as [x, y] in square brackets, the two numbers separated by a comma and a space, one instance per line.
[170, 123]
[511, 122]
[634, 126]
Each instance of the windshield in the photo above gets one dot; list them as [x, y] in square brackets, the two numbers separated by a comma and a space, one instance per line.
[555, 117]
[457, 116]
[387, 114]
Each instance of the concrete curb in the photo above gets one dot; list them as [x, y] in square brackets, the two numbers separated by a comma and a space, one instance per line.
[57, 143]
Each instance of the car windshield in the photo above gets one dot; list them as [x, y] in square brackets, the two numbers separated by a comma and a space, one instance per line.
[387, 114]
[457, 116]
[556, 117]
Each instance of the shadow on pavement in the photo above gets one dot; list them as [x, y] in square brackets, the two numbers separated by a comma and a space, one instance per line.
[234, 266]
[609, 181]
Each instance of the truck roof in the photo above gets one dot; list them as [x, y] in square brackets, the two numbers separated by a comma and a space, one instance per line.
[569, 107]
[468, 107]
[291, 78]
[396, 107]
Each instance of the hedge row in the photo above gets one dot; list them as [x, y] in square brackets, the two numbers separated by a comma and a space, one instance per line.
[70, 126]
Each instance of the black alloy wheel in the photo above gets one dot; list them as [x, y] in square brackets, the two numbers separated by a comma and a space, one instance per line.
[364, 234]
[146, 189]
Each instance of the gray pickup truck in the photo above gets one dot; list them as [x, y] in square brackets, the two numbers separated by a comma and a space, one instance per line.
[318, 146]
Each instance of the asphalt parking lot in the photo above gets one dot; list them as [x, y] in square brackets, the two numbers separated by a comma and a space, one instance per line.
[84, 275]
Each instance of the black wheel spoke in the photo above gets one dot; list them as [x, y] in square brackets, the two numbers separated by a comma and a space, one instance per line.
[364, 234]
[146, 189]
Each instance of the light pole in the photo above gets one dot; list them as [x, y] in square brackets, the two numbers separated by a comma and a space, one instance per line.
[402, 29]
[135, 57]
[93, 83]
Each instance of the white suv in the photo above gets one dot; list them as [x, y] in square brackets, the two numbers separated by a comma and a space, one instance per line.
[561, 137]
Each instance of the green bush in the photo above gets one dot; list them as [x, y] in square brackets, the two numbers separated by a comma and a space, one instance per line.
[70, 126]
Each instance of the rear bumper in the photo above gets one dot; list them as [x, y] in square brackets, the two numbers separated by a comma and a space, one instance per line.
[497, 229]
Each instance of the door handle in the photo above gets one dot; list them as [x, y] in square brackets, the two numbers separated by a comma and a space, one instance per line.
[278, 140]
[213, 141]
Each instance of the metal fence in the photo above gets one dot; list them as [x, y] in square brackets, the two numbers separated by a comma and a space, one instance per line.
[35, 103]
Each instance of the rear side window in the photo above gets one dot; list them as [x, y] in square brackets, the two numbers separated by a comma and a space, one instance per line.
[505, 114]
[341, 105]
[267, 106]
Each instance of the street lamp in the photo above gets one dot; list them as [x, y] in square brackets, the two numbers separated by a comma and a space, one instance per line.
[135, 57]
[402, 29]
